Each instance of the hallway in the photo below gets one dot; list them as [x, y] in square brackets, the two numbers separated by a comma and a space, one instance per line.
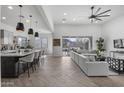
[61, 72]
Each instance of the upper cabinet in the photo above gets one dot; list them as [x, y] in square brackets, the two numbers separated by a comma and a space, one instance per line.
[10, 38]
[6, 37]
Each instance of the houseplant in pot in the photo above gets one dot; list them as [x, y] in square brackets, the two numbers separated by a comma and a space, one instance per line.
[99, 49]
[28, 47]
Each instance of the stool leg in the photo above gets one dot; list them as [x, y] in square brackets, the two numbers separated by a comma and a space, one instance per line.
[28, 70]
[23, 68]
[18, 68]
[38, 63]
[32, 67]
[43, 59]
[35, 64]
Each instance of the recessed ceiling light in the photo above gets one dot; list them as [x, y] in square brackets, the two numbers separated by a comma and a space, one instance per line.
[74, 19]
[4, 18]
[10, 7]
[65, 14]
[63, 20]
[27, 20]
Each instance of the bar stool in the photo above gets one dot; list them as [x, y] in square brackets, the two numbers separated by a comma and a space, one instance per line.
[42, 55]
[39, 56]
[26, 60]
[36, 59]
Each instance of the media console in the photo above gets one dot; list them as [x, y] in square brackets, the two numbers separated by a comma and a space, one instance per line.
[116, 64]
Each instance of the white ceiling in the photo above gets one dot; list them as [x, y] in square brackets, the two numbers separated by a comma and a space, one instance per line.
[81, 13]
[12, 16]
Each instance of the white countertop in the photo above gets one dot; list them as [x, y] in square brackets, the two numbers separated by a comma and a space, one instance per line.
[88, 54]
[16, 54]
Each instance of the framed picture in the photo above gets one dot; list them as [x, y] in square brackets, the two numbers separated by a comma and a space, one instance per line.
[119, 43]
[122, 42]
[56, 42]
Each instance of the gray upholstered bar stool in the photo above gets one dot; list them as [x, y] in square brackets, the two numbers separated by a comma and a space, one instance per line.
[40, 52]
[28, 60]
[42, 55]
[36, 58]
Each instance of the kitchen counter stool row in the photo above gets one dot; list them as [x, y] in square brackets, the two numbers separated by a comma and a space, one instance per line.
[30, 61]
[14, 64]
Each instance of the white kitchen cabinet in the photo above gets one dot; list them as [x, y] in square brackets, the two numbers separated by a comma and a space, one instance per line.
[6, 37]
[10, 38]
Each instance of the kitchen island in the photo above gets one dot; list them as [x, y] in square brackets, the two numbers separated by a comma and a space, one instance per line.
[9, 63]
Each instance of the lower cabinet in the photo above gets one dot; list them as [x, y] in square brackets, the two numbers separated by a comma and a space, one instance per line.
[9, 67]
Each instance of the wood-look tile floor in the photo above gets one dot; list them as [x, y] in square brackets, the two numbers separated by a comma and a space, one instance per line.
[62, 72]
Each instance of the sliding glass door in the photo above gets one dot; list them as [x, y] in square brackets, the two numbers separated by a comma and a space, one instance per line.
[79, 42]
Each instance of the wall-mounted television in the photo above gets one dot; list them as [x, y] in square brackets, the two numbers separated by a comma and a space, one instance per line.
[119, 43]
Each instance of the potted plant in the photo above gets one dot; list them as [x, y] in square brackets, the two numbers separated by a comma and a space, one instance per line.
[99, 49]
[28, 45]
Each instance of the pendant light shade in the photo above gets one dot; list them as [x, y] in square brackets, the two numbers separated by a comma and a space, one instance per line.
[36, 34]
[30, 30]
[20, 25]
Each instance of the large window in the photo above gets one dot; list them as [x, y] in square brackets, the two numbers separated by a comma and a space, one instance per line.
[82, 42]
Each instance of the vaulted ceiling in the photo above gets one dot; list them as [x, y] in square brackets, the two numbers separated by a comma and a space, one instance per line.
[78, 14]
[11, 16]
[54, 14]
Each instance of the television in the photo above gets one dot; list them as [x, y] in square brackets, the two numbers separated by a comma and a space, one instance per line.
[119, 43]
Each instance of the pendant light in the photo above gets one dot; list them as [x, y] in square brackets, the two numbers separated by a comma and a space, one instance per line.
[36, 33]
[20, 25]
[30, 30]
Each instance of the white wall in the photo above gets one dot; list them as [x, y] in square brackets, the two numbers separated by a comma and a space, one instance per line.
[50, 38]
[49, 17]
[0, 13]
[78, 30]
[0, 47]
[93, 30]
[111, 30]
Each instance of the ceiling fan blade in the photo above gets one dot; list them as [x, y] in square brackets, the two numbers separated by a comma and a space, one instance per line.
[97, 10]
[103, 16]
[104, 12]
[92, 10]
[98, 19]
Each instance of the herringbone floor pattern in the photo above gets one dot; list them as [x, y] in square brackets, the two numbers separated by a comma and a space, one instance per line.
[62, 72]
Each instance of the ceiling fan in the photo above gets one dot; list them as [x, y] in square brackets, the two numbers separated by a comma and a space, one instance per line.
[96, 16]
